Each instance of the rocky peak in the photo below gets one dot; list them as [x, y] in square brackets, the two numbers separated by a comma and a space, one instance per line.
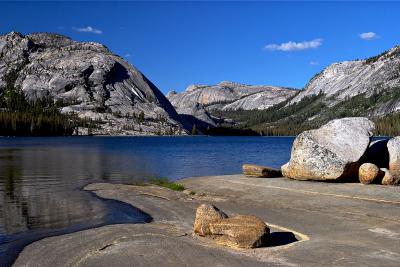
[171, 93]
[229, 84]
[194, 87]
[347, 79]
[46, 39]
[395, 51]
[90, 79]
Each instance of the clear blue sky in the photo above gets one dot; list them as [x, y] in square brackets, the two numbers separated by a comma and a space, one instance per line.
[180, 43]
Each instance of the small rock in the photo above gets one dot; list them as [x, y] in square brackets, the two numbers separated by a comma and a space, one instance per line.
[367, 173]
[389, 178]
[205, 214]
[251, 170]
[241, 231]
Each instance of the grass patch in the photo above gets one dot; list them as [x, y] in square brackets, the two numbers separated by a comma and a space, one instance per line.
[160, 181]
[164, 182]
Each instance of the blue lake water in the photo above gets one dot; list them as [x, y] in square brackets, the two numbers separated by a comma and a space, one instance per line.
[41, 178]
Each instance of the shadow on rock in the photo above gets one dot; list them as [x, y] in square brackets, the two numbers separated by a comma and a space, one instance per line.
[281, 239]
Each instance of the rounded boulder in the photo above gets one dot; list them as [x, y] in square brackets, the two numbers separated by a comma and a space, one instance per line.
[368, 172]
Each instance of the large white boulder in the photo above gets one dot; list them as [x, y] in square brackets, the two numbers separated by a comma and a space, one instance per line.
[331, 152]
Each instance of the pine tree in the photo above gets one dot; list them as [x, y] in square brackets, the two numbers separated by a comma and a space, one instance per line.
[141, 117]
[194, 129]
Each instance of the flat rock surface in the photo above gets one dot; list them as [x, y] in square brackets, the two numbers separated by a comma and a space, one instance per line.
[335, 225]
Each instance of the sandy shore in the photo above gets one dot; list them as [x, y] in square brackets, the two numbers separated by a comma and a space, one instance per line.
[314, 224]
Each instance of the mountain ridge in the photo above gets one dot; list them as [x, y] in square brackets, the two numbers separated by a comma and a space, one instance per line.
[199, 101]
[93, 83]
[369, 87]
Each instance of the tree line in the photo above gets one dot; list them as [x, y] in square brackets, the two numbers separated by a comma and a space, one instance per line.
[312, 112]
[21, 117]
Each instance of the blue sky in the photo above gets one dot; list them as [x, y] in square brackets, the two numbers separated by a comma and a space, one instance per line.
[180, 43]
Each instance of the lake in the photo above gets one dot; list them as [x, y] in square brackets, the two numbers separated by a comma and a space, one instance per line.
[41, 179]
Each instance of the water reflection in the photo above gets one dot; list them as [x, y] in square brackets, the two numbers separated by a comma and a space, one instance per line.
[40, 193]
[29, 202]
[41, 178]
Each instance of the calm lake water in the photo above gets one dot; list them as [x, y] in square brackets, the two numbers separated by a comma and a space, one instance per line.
[41, 179]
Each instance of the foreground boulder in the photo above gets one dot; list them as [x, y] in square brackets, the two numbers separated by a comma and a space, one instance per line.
[368, 173]
[251, 170]
[332, 152]
[241, 231]
[205, 214]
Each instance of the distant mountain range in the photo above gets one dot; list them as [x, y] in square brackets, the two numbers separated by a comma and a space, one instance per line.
[93, 83]
[369, 87]
[199, 100]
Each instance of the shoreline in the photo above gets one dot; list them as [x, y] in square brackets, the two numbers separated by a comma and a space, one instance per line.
[126, 214]
[333, 224]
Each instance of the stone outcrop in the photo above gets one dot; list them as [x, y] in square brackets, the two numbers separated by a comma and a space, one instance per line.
[368, 173]
[89, 79]
[240, 231]
[205, 214]
[332, 152]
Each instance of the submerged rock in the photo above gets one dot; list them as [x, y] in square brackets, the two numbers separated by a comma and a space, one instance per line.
[205, 214]
[241, 231]
[331, 152]
[368, 173]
